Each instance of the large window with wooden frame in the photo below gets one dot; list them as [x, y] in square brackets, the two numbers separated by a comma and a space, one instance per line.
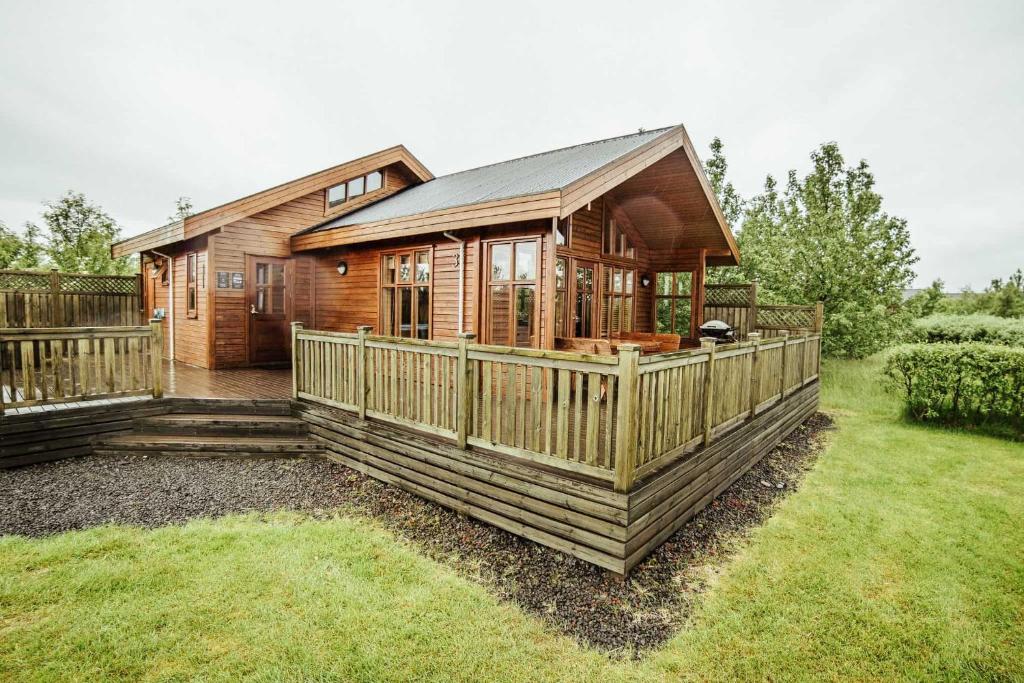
[191, 284]
[673, 302]
[405, 293]
[618, 293]
[354, 188]
[511, 291]
[614, 241]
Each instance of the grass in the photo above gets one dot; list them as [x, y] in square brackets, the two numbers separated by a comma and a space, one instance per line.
[901, 557]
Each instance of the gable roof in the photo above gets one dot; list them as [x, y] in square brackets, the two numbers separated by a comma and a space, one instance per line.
[546, 185]
[528, 175]
[218, 216]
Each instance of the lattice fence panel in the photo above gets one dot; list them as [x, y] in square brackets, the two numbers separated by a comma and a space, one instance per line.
[728, 295]
[24, 281]
[786, 318]
[98, 284]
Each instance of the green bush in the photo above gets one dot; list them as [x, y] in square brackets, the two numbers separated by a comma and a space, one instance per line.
[956, 329]
[964, 384]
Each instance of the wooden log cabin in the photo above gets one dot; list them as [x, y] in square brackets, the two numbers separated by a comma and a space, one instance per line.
[587, 242]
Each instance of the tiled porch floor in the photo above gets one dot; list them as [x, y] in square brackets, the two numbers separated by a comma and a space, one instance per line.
[189, 381]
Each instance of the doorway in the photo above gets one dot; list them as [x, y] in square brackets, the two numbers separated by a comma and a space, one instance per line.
[583, 298]
[268, 307]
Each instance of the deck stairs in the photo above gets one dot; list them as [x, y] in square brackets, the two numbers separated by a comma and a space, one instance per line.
[218, 428]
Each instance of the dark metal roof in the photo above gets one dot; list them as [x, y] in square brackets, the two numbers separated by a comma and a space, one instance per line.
[516, 178]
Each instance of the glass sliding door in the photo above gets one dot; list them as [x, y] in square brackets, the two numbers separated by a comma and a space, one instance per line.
[511, 290]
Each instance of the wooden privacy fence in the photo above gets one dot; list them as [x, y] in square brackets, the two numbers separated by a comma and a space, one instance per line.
[612, 418]
[65, 364]
[737, 305]
[31, 299]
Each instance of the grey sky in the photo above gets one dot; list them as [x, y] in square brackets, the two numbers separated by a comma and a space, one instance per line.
[136, 103]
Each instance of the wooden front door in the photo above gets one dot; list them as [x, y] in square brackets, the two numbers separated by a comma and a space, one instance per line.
[269, 308]
[584, 298]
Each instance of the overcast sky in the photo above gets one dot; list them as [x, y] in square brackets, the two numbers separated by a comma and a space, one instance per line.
[136, 103]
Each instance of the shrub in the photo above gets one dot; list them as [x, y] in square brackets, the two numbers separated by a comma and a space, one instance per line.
[965, 384]
[956, 329]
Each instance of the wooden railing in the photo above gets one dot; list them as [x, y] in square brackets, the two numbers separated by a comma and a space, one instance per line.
[44, 366]
[30, 299]
[737, 305]
[613, 418]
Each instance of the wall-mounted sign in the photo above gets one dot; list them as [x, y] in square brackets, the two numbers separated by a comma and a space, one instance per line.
[223, 279]
[237, 280]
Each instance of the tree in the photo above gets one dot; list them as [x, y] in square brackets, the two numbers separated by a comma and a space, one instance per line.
[80, 235]
[182, 209]
[1001, 298]
[827, 239]
[20, 252]
[732, 204]
[927, 301]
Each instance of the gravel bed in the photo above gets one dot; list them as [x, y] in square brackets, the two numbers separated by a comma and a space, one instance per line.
[624, 617]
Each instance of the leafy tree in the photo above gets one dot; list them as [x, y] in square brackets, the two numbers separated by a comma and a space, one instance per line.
[732, 204]
[1002, 298]
[182, 209]
[20, 252]
[826, 238]
[80, 235]
[927, 301]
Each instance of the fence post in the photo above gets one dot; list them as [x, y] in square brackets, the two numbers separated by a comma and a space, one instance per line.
[296, 359]
[803, 361]
[819, 316]
[156, 352]
[626, 417]
[752, 324]
[755, 378]
[465, 390]
[708, 343]
[785, 350]
[56, 310]
[363, 330]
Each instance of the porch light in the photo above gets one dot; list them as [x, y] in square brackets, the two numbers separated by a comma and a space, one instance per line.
[342, 267]
[645, 280]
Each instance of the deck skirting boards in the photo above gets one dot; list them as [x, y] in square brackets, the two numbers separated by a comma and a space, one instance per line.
[585, 519]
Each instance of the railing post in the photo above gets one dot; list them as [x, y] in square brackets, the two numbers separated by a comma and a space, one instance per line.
[752, 323]
[628, 394]
[803, 360]
[464, 389]
[56, 310]
[819, 316]
[785, 349]
[755, 377]
[296, 359]
[156, 352]
[708, 343]
[363, 330]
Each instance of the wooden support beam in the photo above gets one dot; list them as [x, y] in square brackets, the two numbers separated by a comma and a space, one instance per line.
[156, 354]
[629, 398]
[709, 387]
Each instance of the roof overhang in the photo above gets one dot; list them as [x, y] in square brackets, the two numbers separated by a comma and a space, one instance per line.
[219, 216]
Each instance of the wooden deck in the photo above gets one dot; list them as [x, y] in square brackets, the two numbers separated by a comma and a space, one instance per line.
[189, 381]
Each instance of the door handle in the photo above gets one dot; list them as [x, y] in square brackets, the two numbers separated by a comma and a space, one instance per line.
[252, 309]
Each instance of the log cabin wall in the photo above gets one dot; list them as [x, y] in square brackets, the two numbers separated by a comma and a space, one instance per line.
[268, 234]
[190, 345]
[156, 294]
[585, 243]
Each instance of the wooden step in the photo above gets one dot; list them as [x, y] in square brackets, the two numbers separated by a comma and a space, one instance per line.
[204, 424]
[210, 446]
[231, 406]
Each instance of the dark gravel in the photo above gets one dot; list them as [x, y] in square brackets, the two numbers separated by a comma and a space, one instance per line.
[622, 616]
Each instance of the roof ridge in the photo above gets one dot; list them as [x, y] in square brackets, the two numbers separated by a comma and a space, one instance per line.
[553, 151]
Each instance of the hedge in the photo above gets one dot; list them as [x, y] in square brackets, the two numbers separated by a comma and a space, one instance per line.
[968, 328]
[965, 384]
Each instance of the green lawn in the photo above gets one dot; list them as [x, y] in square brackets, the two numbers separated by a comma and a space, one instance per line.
[902, 556]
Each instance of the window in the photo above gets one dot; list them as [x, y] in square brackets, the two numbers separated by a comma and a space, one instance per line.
[374, 181]
[191, 281]
[356, 187]
[269, 289]
[511, 292]
[405, 294]
[614, 241]
[672, 303]
[618, 286]
[563, 230]
[561, 266]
